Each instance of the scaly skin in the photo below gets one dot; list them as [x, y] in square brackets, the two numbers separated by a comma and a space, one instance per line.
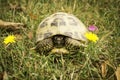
[72, 45]
[44, 45]
[48, 46]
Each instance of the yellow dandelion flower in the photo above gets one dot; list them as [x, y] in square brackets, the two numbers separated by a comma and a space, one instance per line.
[9, 39]
[91, 36]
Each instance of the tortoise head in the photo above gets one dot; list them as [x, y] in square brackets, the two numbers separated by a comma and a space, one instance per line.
[58, 41]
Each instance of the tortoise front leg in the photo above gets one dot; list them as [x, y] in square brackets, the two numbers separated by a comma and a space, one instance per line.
[44, 46]
[72, 45]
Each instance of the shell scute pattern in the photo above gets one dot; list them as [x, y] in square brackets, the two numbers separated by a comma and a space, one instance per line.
[46, 35]
[60, 21]
[54, 24]
[68, 33]
[43, 24]
[59, 14]
[72, 21]
[63, 24]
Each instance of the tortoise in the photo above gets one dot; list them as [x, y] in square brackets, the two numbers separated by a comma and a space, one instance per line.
[60, 33]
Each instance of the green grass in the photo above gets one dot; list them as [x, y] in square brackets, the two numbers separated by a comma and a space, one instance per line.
[22, 63]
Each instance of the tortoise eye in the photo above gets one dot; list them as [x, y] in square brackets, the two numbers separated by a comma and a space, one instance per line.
[58, 38]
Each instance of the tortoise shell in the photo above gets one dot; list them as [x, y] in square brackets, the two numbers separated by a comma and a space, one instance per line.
[61, 24]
